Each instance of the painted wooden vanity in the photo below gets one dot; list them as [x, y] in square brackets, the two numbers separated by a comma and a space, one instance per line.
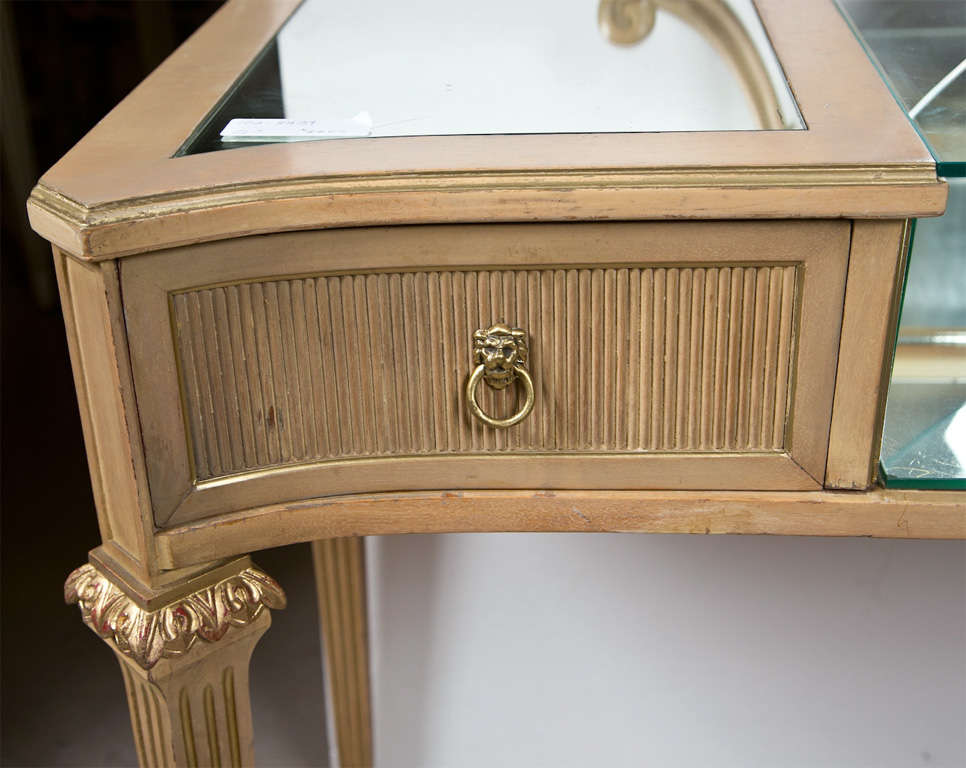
[662, 331]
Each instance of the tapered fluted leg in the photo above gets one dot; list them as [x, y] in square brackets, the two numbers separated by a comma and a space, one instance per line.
[185, 659]
[340, 579]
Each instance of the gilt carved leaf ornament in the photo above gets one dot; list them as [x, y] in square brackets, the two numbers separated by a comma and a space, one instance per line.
[147, 636]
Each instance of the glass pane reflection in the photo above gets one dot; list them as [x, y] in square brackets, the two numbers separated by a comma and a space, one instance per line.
[503, 67]
[917, 46]
[920, 50]
[924, 441]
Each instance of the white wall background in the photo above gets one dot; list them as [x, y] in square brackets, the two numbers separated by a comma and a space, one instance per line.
[628, 650]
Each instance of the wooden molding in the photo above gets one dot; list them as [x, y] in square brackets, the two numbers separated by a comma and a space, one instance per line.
[113, 196]
[876, 260]
[97, 338]
[878, 513]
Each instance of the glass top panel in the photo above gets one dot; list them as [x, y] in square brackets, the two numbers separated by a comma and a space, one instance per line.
[428, 67]
[920, 49]
[924, 440]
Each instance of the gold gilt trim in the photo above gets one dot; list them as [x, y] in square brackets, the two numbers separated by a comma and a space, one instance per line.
[147, 636]
[192, 200]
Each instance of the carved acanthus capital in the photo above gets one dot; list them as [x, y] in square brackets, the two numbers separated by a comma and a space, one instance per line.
[171, 630]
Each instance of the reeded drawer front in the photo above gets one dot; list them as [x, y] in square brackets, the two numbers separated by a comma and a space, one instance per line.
[280, 356]
[624, 359]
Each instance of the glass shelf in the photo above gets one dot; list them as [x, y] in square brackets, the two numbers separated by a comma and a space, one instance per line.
[919, 47]
[924, 440]
[503, 67]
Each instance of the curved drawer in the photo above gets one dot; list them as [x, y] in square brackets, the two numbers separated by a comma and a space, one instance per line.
[663, 355]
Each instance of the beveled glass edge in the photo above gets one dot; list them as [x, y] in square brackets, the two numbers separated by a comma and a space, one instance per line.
[920, 483]
[953, 168]
[202, 126]
[783, 71]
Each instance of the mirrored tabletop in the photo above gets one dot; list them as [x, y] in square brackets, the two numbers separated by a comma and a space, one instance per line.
[344, 70]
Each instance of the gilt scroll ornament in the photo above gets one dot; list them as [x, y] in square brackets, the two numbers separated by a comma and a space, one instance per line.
[147, 636]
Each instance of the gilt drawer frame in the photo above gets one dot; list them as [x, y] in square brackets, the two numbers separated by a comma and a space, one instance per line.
[818, 248]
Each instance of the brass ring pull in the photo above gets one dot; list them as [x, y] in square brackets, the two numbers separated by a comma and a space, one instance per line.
[478, 373]
[500, 354]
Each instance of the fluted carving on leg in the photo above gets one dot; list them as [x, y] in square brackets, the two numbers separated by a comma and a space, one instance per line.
[340, 580]
[188, 700]
[195, 711]
[146, 709]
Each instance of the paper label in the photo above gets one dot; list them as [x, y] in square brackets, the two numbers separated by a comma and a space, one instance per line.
[281, 129]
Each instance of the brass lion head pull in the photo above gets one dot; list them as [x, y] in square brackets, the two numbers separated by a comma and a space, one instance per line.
[500, 355]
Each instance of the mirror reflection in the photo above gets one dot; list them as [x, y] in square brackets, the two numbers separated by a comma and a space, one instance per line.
[630, 22]
[548, 66]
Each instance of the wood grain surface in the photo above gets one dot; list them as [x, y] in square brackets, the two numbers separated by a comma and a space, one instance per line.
[879, 513]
